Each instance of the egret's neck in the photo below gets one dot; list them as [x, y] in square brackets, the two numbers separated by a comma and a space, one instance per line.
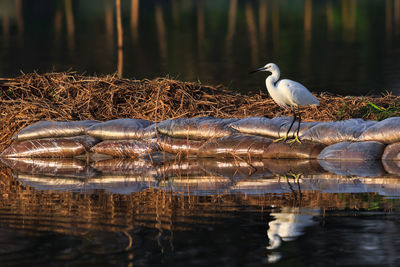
[271, 80]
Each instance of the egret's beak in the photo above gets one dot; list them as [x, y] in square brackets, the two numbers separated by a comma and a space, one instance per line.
[257, 70]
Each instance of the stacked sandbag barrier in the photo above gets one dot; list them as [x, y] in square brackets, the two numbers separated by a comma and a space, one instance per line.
[353, 139]
[54, 139]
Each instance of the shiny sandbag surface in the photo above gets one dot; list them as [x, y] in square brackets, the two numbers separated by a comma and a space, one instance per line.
[53, 129]
[196, 128]
[391, 152]
[386, 131]
[337, 131]
[179, 145]
[370, 150]
[236, 145]
[276, 127]
[303, 150]
[121, 129]
[125, 148]
[63, 147]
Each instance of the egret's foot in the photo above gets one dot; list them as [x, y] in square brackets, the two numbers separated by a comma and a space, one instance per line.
[281, 139]
[295, 176]
[294, 140]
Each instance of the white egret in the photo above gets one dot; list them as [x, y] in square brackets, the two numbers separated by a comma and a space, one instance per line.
[287, 93]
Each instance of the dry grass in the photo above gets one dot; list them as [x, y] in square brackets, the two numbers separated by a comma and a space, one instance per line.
[70, 96]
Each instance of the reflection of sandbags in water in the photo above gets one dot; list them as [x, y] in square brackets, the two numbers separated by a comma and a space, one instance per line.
[276, 184]
[63, 147]
[42, 182]
[233, 168]
[122, 129]
[369, 150]
[238, 145]
[189, 176]
[125, 148]
[337, 131]
[371, 168]
[121, 184]
[122, 166]
[196, 184]
[53, 129]
[293, 166]
[384, 186]
[179, 145]
[196, 128]
[386, 131]
[276, 127]
[303, 150]
[50, 167]
[185, 168]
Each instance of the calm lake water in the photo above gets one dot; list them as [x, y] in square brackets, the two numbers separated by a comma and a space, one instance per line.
[199, 212]
[347, 47]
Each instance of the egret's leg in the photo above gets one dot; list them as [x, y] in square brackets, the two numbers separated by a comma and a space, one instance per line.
[296, 138]
[294, 119]
[298, 127]
[283, 138]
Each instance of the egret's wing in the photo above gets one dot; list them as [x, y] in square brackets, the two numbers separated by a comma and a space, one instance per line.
[296, 93]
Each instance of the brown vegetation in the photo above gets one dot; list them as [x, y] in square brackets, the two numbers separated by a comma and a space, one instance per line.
[70, 96]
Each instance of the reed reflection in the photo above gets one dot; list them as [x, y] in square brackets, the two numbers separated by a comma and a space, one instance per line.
[69, 14]
[135, 20]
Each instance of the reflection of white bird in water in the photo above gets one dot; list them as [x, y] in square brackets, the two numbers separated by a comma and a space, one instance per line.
[288, 224]
[287, 93]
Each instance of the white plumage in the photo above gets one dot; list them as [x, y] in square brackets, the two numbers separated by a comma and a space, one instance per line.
[287, 93]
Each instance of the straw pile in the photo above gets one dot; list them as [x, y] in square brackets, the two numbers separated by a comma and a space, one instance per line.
[69, 96]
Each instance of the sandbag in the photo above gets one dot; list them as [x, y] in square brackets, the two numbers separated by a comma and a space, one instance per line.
[238, 145]
[391, 166]
[363, 168]
[303, 150]
[63, 147]
[53, 129]
[337, 131]
[179, 145]
[386, 131]
[196, 128]
[361, 151]
[276, 127]
[391, 152]
[125, 148]
[122, 129]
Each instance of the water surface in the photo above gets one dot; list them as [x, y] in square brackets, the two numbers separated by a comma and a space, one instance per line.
[199, 212]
